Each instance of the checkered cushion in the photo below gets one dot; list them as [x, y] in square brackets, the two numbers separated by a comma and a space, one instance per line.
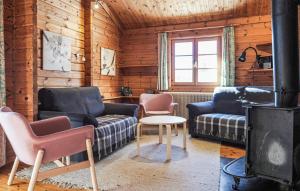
[113, 132]
[228, 127]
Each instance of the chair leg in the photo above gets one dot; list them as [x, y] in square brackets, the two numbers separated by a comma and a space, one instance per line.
[13, 172]
[63, 160]
[68, 160]
[92, 165]
[36, 168]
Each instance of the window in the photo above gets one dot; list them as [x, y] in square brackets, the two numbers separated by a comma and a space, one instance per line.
[196, 61]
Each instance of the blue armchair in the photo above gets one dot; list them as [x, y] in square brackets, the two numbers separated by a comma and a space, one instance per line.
[223, 118]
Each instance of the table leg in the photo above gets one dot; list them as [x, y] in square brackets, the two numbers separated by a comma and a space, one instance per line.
[184, 135]
[160, 133]
[176, 129]
[138, 139]
[169, 139]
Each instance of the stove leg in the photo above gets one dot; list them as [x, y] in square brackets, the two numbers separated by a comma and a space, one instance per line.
[236, 184]
[292, 188]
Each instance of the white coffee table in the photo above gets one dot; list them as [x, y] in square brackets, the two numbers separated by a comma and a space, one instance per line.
[162, 120]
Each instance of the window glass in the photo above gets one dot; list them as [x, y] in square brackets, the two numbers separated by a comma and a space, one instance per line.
[208, 47]
[184, 75]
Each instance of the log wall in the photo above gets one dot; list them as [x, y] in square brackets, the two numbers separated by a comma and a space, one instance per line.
[103, 32]
[140, 51]
[90, 30]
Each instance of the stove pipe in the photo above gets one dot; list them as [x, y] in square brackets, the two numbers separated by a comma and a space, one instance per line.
[285, 52]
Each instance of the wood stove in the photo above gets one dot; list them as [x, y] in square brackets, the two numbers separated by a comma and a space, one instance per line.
[273, 140]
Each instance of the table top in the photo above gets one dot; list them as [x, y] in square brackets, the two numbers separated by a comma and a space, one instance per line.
[162, 119]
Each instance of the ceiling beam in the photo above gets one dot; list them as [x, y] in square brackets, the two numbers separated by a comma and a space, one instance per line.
[111, 14]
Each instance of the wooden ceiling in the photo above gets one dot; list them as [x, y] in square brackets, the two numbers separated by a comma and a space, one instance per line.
[147, 13]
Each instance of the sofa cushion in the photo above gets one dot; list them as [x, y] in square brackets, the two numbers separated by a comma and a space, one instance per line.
[259, 95]
[113, 132]
[61, 100]
[228, 100]
[92, 100]
[224, 126]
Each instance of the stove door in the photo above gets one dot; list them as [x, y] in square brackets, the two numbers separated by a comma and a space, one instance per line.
[270, 143]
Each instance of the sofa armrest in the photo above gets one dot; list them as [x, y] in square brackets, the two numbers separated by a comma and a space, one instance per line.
[196, 109]
[201, 107]
[121, 109]
[76, 119]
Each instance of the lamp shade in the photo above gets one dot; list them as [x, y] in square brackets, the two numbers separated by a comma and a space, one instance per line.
[242, 57]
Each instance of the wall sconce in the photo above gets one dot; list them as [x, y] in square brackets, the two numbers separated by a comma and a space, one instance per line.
[97, 4]
[243, 56]
[77, 56]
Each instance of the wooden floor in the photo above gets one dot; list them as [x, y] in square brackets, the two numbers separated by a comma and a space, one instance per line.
[21, 185]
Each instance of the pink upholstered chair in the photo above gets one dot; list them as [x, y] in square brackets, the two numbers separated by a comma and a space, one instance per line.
[46, 141]
[158, 104]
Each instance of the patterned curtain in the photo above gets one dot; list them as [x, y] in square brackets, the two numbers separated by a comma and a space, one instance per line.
[228, 58]
[163, 80]
[2, 85]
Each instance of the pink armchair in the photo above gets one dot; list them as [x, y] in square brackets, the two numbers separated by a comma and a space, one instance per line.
[158, 104]
[41, 142]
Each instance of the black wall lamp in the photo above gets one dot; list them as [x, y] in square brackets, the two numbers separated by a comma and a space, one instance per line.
[243, 56]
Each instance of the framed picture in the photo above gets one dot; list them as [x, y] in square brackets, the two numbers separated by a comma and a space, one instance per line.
[57, 52]
[108, 62]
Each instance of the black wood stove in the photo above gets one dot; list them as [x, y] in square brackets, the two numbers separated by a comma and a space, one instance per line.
[273, 140]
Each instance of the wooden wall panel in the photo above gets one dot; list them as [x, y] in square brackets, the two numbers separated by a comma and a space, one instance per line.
[20, 53]
[251, 35]
[139, 49]
[90, 29]
[20, 41]
[65, 18]
[102, 32]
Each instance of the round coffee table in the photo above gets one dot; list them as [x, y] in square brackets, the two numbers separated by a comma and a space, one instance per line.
[162, 120]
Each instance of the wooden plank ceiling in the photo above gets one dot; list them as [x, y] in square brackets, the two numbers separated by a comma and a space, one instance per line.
[147, 13]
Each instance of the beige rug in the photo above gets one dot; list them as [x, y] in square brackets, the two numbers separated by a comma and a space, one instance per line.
[197, 169]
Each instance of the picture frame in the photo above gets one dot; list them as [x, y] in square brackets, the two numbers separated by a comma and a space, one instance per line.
[108, 62]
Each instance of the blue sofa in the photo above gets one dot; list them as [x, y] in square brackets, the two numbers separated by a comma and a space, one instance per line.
[115, 124]
[223, 118]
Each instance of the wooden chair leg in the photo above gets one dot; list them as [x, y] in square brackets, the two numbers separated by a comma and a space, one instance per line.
[68, 160]
[63, 160]
[92, 165]
[13, 171]
[36, 168]
[138, 139]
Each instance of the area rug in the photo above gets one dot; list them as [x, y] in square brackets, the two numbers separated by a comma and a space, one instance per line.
[198, 168]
